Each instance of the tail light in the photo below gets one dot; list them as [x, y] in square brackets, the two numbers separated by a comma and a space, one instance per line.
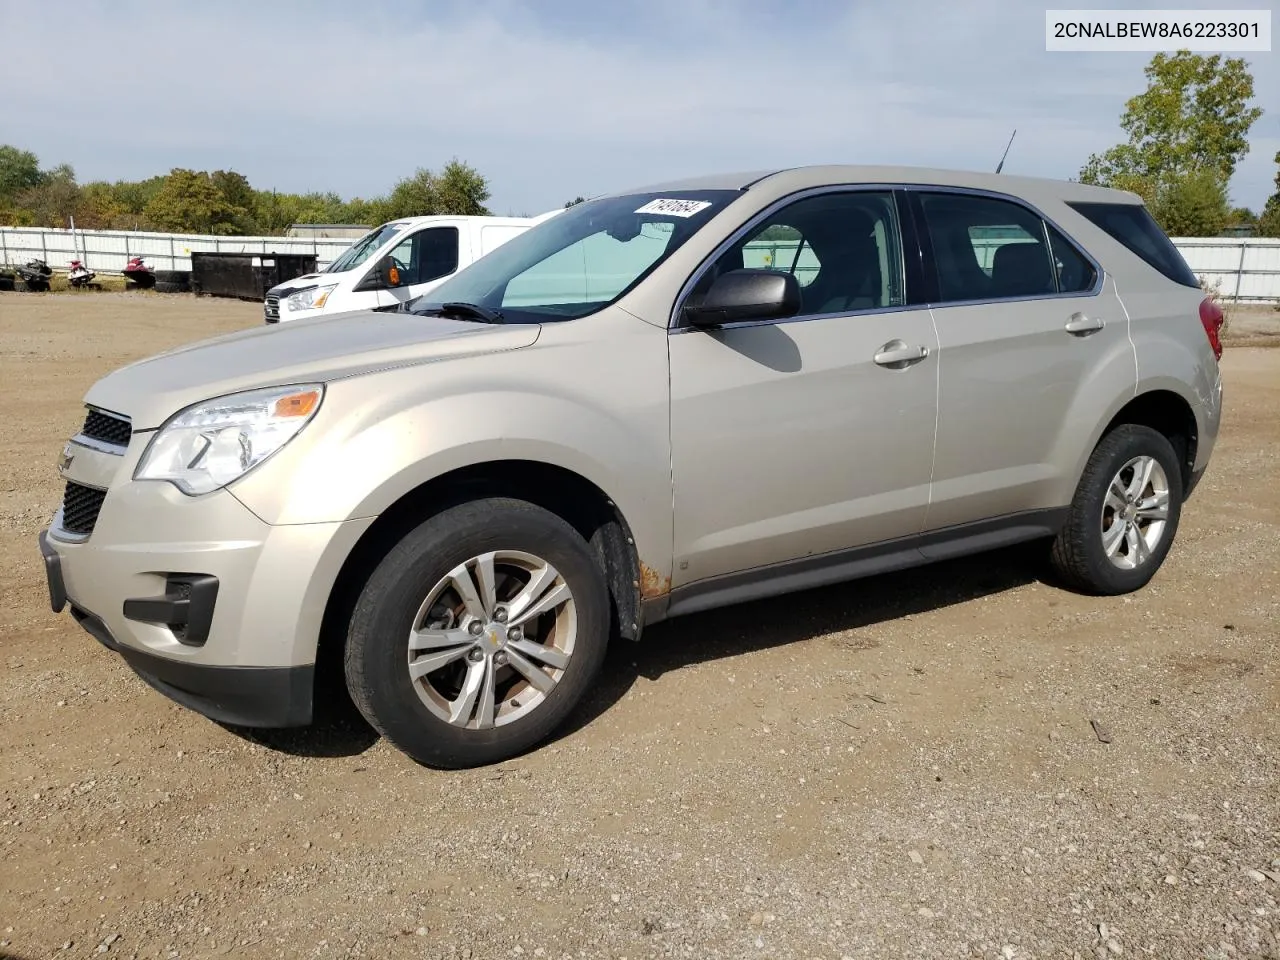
[1211, 319]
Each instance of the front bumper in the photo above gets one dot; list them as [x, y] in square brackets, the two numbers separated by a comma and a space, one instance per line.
[241, 696]
[206, 602]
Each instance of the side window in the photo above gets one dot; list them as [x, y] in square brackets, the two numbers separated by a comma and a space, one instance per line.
[1075, 273]
[985, 248]
[427, 255]
[844, 249]
[780, 247]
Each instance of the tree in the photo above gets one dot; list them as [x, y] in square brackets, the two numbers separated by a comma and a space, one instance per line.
[189, 201]
[1194, 115]
[52, 201]
[100, 209]
[1269, 222]
[19, 170]
[458, 189]
[240, 196]
[575, 201]
[461, 190]
[1192, 205]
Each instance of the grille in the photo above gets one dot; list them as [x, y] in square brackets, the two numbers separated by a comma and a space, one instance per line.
[108, 429]
[80, 506]
[271, 310]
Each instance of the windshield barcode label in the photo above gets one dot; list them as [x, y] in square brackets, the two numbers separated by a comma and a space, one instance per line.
[674, 208]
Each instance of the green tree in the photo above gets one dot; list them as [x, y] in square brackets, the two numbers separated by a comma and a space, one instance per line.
[1192, 205]
[101, 209]
[134, 195]
[52, 201]
[189, 201]
[413, 196]
[240, 196]
[1194, 115]
[458, 189]
[575, 201]
[19, 170]
[1269, 222]
[461, 190]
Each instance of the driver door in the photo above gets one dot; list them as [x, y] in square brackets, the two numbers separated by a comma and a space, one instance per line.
[424, 260]
[802, 439]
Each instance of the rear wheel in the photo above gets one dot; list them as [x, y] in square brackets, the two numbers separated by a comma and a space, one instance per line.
[478, 633]
[1125, 513]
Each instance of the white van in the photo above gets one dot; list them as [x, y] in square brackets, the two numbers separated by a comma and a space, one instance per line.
[424, 252]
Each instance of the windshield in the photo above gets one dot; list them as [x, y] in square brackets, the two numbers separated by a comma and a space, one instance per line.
[364, 248]
[582, 259]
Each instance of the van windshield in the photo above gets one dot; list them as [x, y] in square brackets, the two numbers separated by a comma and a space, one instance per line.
[364, 248]
[580, 260]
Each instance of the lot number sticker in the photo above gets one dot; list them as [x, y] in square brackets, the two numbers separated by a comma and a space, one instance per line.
[674, 208]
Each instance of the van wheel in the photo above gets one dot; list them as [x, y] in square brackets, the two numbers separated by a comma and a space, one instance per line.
[1125, 513]
[478, 633]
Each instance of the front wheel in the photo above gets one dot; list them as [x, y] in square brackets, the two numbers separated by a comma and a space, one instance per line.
[1124, 515]
[478, 633]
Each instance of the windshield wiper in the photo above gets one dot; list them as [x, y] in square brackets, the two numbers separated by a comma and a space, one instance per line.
[472, 310]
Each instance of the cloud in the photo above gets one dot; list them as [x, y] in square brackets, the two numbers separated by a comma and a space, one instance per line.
[555, 100]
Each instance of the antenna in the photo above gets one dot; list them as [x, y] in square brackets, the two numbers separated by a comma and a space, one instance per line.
[1000, 165]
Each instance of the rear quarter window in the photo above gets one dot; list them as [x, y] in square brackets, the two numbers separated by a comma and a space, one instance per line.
[1132, 225]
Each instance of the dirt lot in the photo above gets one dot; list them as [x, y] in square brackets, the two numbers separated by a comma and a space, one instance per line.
[902, 767]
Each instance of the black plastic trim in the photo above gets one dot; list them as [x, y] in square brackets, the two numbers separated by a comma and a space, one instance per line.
[188, 602]
[919, 292]
[239, 696]
[866, 561]
[53, 573]
[930, 289]
[1192, 483]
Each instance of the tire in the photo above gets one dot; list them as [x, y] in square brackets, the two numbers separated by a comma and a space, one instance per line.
[1137, 549]
[413, 712]
[180, 280]
[171, 287]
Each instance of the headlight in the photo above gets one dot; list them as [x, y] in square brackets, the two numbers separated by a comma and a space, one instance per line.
[312, 298]
[210, 444]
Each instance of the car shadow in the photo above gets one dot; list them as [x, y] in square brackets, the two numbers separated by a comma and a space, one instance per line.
[339, 730]
[792, 618]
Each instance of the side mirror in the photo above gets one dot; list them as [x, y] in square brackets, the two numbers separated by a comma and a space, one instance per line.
[388, 273]
[746, 295]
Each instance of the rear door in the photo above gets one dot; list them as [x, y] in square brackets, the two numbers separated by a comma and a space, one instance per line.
[1032, 341]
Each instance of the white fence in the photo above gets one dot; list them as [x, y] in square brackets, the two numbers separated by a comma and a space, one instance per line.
[107, 251]
[1243, 268]
[1246, 269]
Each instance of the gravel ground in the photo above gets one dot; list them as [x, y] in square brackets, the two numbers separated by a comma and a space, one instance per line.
[902, 767]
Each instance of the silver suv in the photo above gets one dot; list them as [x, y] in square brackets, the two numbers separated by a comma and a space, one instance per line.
[654, 403]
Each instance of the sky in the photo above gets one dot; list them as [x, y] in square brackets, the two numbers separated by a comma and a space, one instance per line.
[552, 99]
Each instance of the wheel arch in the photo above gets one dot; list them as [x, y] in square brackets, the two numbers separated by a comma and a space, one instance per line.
[1168, 413]
[569, 495]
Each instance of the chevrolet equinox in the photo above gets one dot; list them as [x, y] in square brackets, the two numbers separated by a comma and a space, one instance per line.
[655, 403]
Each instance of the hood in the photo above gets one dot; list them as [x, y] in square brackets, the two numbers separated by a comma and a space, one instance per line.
[282, 290]
[311, 351]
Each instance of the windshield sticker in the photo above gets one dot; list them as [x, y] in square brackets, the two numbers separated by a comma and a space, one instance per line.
[675, 208]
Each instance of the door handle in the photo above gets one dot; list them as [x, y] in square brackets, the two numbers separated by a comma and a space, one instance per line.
[898, 355]
[1082, 325]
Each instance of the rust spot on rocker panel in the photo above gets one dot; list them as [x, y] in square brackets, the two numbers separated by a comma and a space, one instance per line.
[652, 583]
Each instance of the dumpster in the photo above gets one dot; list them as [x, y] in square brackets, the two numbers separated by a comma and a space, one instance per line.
[246, 276]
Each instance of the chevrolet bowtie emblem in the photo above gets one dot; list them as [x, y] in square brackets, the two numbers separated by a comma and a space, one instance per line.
[65, 460]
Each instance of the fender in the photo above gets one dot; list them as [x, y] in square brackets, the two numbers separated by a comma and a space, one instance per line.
[594, 403]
